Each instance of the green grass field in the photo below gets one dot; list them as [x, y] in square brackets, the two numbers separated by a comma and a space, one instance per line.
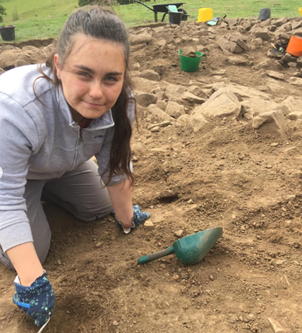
[43, 19]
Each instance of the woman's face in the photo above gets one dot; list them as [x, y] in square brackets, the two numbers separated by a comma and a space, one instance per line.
[92, 76]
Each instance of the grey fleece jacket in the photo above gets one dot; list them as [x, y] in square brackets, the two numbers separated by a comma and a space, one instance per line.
[40, 140]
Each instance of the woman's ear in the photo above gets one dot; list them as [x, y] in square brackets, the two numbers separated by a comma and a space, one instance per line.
[57, 65]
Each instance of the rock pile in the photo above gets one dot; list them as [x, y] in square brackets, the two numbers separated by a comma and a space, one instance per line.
[239, 46]
[236, 52]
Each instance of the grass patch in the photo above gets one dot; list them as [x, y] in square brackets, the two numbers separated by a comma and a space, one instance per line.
[38, 28]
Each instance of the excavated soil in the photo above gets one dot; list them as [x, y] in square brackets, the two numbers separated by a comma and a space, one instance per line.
[229, 174]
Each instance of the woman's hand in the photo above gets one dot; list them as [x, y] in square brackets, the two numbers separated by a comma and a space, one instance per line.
[34, 294]
[37, 301]
[126, 216]
[138, 218]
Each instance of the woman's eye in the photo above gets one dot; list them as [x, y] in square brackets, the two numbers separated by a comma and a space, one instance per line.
[111, 79]
[84, 74]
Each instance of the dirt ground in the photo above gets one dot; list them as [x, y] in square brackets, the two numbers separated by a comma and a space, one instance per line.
[228, 174]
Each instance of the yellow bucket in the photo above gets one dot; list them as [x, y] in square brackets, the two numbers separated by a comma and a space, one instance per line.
[205, 14]
[300, 11]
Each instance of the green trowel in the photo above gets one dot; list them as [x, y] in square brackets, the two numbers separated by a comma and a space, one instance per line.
[190, 249]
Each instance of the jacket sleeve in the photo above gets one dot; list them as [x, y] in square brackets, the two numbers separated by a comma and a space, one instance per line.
[103, 156]
[18, 139]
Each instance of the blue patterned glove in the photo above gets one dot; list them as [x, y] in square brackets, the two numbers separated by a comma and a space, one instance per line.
[138, 218]
[38, 300]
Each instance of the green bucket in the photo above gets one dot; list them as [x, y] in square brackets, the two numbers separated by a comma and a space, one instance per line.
[189, 64]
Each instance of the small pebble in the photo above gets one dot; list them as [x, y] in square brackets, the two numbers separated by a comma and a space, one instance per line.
[155, 129]
[148, 225]
[277, 328]
[179, 233]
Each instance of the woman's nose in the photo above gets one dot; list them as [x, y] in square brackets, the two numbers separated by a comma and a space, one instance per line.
[96, 91]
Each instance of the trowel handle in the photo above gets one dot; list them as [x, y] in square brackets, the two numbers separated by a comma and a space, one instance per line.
[156, 255]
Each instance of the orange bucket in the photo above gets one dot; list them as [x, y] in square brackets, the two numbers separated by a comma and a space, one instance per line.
[294, 46]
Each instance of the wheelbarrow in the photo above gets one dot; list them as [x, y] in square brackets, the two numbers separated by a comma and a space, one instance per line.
[162, 8]
[190, 249]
